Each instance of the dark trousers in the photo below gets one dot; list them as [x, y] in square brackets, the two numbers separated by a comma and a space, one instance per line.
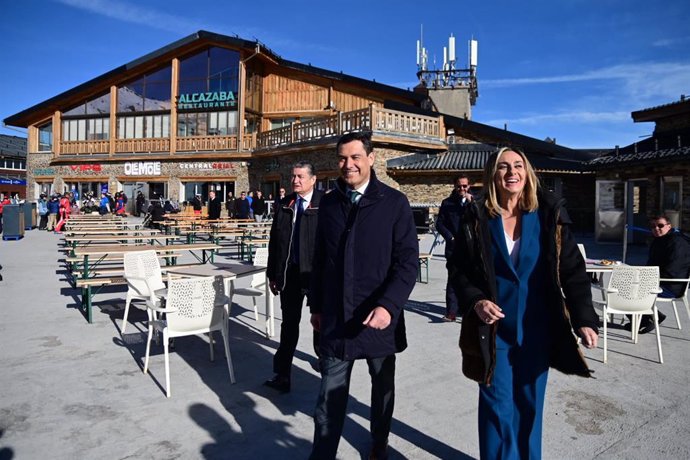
[291, 300]
[331, 405]
[451, 299]
[43, 222]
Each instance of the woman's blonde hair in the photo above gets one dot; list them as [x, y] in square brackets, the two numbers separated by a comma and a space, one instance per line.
[528, 200]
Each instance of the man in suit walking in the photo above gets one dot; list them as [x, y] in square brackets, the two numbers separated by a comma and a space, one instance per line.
[290, 255]
[448, 225]
[365, 267]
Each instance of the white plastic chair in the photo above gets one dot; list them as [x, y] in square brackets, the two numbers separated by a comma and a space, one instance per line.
[257, 286]
[190, 309]
[143, 275]
[633, 291]
[683, 298]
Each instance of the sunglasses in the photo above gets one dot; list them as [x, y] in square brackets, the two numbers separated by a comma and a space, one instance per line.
[463, 186]
[659, 226]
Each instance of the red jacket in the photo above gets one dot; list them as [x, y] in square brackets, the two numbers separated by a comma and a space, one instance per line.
[3, 203]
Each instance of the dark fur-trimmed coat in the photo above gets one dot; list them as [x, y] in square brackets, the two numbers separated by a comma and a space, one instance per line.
[567, 290]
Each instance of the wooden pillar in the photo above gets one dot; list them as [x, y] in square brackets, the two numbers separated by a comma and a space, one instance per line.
[113, 120]
[241, 89]
[57, 133]
[372, 113]
[174, 94]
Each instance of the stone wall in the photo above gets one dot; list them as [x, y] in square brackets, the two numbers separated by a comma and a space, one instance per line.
[174, 173]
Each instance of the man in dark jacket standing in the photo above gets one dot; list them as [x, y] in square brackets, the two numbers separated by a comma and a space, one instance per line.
[448, 225]
[242, 207]
[290, 255]
[214, 206]
[365, 267]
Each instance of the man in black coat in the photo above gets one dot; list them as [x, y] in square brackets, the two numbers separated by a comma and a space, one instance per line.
[214, 206]
[242, 207]
[365, 267]
[671, 253]
[448, 225]
[230, 205]
[258, 206]
[290, 255]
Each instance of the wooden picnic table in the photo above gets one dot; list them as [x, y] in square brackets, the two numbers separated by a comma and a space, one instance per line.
[101, 253]
[86, 240]
[114, 231]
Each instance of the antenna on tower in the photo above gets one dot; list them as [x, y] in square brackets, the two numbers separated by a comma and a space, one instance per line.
[448, 76]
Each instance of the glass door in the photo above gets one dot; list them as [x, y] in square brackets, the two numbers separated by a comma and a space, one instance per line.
[672, 199]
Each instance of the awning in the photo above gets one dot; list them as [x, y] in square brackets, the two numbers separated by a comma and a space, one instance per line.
[8, 181]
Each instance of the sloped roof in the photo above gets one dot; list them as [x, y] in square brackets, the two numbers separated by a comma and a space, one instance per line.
[12, 146]
[640, 158]
[662, 111]
[472, 157]
[52, 104]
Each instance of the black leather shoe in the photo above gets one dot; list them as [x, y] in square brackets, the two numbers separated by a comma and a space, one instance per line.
[279, 383]
[379, 452]
[648, 326]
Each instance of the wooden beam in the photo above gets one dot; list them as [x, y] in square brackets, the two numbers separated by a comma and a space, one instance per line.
[113, 119]
[174, 93]
[242, 89]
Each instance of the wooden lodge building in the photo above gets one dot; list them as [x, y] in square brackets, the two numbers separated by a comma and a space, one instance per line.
[212, 112]
[646, 178]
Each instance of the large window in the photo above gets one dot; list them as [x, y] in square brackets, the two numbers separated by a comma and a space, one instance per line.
[86, 129]
[10, 163]
[207, 124]
[149, 93]
[208, 92]
[97, 106]
[212, 70]
[45, 138]
[143, 126]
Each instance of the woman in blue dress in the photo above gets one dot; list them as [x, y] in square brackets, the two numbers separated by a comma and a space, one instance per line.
[523, 291]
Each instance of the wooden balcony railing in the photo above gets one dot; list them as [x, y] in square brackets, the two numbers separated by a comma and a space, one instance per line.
[206, 143]
[156, 144]
[371, 118]
[84, 147]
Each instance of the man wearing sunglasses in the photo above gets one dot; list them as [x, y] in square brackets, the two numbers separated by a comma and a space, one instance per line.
[448, 225]
[671, 253]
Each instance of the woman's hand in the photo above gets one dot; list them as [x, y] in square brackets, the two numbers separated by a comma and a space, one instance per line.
[488, 312]
[588, 336]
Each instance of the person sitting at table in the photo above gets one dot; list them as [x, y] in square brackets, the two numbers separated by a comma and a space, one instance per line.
[168, 208]
[196, 204]
[671, 253]
[157, 214]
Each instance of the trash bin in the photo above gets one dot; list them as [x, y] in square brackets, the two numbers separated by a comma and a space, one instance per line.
[29, 215]
[12, 222]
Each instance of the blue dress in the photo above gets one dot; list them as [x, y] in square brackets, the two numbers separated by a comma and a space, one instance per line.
[510, 409]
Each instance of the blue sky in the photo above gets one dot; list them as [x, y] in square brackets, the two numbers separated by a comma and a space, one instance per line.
[567, 69]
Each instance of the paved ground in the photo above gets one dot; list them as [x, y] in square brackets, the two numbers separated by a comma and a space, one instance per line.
[73, 390]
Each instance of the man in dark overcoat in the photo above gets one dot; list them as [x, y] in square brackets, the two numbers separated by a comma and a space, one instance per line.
[448, 225]
[290, 256]
[365, 267]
